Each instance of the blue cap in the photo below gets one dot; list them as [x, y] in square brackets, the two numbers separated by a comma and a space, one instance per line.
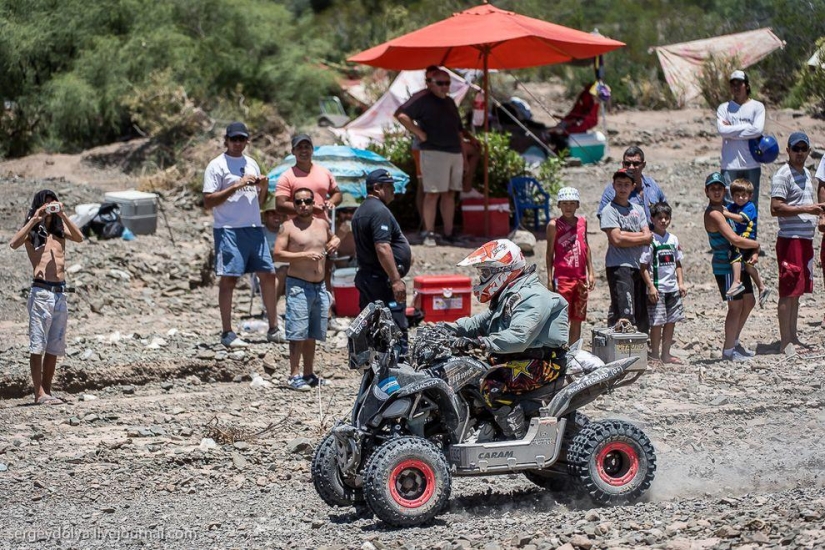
[715, 177]
[798, 137]
[379, 176]
[237, 129]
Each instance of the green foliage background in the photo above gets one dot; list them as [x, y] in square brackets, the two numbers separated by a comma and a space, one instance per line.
[72, 70]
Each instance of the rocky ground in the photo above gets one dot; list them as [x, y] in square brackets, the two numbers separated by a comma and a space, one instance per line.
[740, 447]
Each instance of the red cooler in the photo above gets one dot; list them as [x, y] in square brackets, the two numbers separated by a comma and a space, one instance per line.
[443, 297]
[346, 295]
[472, 213]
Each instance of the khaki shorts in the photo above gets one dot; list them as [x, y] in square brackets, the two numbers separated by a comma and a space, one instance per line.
[441, 172]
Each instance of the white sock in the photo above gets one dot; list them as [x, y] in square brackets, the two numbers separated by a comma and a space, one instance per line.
[727, 351]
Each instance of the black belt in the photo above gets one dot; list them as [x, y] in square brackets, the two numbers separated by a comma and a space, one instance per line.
[52, 287]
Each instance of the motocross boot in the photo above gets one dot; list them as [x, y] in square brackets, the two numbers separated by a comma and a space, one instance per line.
[511, 421]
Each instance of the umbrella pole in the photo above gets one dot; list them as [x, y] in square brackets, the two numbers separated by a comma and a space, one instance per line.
[485, 53]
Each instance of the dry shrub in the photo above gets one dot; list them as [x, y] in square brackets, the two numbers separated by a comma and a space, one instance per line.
[649, 93]
[714, 81]
[227, 435]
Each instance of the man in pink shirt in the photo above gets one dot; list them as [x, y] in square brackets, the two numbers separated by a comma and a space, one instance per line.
[306, 174]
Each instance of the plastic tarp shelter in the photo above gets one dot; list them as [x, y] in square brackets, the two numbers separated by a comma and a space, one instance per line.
[682, 63]
[371, 125]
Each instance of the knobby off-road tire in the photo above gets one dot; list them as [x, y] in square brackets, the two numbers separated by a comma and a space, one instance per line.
[407, 481]
[612, 461]
[555, 481]
[327, 479]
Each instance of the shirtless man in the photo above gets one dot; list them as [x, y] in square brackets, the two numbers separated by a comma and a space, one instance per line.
[44, 235]
[304, 242]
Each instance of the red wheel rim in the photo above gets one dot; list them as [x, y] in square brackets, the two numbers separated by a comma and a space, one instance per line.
[617, 463]
[412, 483]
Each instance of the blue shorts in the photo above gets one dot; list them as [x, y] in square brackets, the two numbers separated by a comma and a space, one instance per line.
[241, 250]
[307, 310]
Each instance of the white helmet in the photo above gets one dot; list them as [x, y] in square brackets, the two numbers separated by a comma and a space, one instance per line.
[568, 194]
[498, 263]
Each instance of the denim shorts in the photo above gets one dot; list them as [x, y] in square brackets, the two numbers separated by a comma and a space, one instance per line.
[241, 250]
[48, 315]
[307, 310]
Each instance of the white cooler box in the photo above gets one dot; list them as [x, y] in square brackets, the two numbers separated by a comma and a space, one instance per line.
[610, 346]
[138, 210]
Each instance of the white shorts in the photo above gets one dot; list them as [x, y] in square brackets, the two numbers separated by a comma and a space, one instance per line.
[48, 315]
[441, 172]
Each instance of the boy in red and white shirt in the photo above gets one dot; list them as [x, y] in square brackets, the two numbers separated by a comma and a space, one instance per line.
[569, 263]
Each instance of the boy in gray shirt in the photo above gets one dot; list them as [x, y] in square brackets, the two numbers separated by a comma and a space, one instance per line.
[628, 234]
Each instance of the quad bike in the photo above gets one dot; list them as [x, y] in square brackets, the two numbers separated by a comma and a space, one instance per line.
[415, 426]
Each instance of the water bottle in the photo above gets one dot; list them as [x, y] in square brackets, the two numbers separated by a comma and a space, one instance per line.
[255, 325]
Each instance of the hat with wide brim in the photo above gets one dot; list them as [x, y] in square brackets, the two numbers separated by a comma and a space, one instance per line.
[347, 201]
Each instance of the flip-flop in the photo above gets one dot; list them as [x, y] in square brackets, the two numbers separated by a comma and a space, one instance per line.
[49, 400]
[674, 361]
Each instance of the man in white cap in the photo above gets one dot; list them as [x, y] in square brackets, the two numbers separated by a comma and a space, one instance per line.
[738, 121]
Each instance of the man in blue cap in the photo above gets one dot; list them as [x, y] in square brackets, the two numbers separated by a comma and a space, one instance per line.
[383, 253]
[793, 202]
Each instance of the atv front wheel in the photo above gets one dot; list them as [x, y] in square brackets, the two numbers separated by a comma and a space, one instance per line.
[407, 481]
[612, 461]
[326, 476]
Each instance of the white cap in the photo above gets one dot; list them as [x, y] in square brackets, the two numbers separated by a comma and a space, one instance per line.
[568, 194]
[738, 75]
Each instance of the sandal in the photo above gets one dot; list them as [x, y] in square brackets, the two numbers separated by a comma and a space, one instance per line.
[49, 400]
[673, 360]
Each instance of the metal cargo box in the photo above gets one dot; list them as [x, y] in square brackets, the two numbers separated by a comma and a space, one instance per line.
[610, 346]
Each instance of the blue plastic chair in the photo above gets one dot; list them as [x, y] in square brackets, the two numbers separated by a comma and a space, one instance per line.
[528, 194]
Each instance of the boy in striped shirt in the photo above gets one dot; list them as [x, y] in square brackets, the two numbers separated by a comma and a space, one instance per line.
[661, 266]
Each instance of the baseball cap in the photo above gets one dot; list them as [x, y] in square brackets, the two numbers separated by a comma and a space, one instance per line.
[622, 173]
[568, 194]
[715, 177]
[798, 137]
[738, 75]
[237, 129]
[297, 139]
[378, 177]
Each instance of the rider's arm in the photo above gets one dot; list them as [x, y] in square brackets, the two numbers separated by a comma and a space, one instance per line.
[472, 327]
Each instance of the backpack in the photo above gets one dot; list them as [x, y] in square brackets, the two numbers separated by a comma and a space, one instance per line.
[106, 224]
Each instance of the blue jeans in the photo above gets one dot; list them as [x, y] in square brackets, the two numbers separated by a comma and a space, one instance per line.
[753, 175]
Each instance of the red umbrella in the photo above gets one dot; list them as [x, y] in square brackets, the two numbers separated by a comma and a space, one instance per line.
[485, 37]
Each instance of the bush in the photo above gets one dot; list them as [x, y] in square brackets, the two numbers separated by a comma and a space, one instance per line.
[715, 79]
[810, 85]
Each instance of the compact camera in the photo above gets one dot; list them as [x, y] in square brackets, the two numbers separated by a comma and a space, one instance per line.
[52, 208]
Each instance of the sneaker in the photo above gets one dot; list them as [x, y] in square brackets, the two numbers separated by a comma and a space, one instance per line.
[763, 297]
[231, 340]
[298, 383]
[429, 240]
[312, 380]
[453, 239]
[744, 351]
[735, 290]
[276, 335]
[735, 356]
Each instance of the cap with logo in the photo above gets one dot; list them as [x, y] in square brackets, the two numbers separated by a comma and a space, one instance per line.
[237, 129]
[798, 137]
[377, 177]
[738, 75]
[715, 177]
[568, 194]
[300, 138]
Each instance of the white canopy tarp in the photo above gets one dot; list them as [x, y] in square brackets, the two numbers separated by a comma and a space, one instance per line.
[682, 63]
[816, 59]
[377, 119]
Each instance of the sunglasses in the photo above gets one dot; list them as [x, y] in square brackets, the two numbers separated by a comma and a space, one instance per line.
[441, 82]
[799, 148]
[303, 201]
[632, 163]
[238, 138]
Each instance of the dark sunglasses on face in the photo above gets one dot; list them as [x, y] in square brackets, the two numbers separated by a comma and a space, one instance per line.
[238, 138]
[304, 201]
[632, 163]
[441, 82]
[799, 148]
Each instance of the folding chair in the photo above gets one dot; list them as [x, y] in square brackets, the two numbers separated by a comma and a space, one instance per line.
[528, 194]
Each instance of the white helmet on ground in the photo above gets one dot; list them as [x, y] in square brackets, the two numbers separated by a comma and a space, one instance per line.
[568, 194]
[498, 263]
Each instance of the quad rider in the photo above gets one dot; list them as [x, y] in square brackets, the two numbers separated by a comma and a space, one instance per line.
[525, 331]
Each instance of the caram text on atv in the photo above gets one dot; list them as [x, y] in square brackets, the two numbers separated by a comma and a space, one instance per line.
[413, 427]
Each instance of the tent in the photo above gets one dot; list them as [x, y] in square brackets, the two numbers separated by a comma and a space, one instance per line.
[682, 63]
[371, 125]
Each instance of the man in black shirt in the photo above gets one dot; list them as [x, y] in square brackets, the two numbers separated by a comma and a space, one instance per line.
[433, 118]
[381, 249]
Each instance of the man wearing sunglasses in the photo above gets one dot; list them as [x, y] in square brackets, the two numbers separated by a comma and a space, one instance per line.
[434, 119]
[738, 121]
[793, 203]
[235, 191]
[645, 189]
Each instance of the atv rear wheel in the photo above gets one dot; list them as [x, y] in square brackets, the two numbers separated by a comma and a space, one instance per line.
[554, 480]
[407, 481]
[327, 479]
[612, 461]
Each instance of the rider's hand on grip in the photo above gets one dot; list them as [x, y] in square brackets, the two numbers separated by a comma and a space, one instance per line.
[467, 344]
[441, 325]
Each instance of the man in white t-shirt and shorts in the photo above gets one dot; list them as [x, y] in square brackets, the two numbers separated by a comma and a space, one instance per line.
[235, 191]
[820, 178]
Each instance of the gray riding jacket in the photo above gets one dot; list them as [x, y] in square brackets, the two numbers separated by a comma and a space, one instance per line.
[525, 315]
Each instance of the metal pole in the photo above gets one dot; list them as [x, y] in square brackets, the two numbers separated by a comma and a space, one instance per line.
[485, 53]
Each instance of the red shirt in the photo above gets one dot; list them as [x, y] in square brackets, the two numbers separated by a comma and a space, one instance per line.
[570, 249]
